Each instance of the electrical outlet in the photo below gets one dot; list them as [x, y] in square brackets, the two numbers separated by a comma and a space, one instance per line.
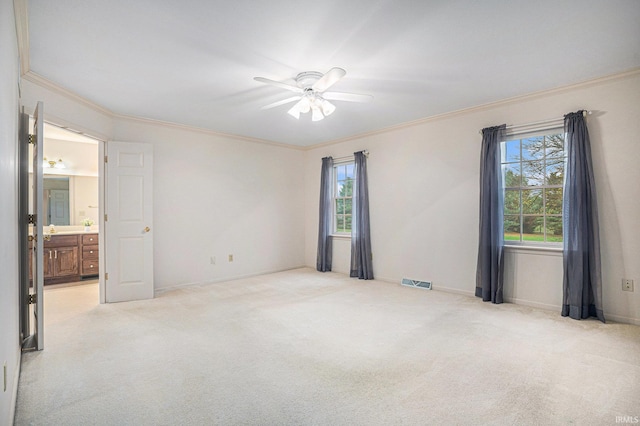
[627, 284]
[230, 258]
[213, 260]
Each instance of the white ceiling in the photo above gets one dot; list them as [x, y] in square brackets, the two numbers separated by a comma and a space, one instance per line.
[192, 62]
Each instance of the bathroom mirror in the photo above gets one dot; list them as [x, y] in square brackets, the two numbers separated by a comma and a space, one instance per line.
[55, 202]
[68, 200]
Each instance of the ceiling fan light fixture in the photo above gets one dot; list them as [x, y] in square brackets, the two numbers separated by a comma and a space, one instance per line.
[327, 107]
[305, 104]
[316, 114]
[294, 112]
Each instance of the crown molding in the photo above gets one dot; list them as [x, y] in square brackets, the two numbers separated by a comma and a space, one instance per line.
[176, 126]
[22, 33]
[50, 85]
[484, 107]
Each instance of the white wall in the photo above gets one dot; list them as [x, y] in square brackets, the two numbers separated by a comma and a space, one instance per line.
[424, 180]
[9, 277]
[85, 199]
[214, 196]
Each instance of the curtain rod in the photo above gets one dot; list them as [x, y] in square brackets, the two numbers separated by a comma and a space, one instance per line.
[537, 125]
[349, 157]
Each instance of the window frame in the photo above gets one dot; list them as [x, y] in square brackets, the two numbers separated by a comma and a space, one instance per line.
[543, 188]
[334, 197]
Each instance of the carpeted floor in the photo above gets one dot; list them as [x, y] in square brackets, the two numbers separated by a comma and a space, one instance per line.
[305, 348]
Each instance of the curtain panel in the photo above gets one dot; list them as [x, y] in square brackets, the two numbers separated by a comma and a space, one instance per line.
[582, 283]
[490, 269]
[361, 259]
[325, 250]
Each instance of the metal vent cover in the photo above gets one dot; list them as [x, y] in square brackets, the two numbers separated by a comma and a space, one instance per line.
[416, 283]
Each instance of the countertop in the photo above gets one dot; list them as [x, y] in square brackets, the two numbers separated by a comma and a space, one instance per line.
[68, 230]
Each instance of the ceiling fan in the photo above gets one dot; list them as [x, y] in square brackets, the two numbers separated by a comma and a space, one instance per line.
[312, 96]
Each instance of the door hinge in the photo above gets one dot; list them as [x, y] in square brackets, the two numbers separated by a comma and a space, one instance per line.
[106, 276]
[106, 159]
[31, 300]
[31, 218]
[106, 217]
[32, 139]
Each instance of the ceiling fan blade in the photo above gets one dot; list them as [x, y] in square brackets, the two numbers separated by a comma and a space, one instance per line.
[349, 97]
[278, 84]
[282, 102]
[329, 79]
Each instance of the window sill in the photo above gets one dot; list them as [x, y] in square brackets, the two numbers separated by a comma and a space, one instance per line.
[341, 236]
[550, 250]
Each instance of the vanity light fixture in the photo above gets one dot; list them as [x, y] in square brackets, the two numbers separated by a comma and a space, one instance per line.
[50, 164]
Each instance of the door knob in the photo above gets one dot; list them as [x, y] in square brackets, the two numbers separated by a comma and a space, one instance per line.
[147, 229]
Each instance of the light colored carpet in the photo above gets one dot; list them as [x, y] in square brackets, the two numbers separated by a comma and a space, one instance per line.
[305, 348]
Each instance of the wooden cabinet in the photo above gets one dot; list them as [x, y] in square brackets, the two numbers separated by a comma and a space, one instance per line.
[69, 258]
[61, 259]
[89, 255]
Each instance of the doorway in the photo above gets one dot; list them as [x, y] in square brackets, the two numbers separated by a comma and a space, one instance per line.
[71, 206]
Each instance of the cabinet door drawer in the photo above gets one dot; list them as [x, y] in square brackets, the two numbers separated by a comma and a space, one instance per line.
[90, 239]
[62, 241]
[89, 267]
[90, 253]
[65, 260]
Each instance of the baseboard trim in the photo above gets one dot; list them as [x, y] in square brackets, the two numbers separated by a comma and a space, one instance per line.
[219, 280]
[621, 319]
[454, 291]
[538, 305]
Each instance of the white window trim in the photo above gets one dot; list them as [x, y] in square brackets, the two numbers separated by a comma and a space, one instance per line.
[534, 249]
[343, 236]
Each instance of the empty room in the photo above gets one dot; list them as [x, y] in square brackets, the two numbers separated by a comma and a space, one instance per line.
[328, 213]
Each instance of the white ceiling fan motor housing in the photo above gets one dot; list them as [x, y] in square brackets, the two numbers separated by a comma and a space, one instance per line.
[306, 79]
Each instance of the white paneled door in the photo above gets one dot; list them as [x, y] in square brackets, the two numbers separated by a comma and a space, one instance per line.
[129, 222]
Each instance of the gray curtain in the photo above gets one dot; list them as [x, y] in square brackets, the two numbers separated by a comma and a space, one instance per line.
[489, 273]
[361, 261]
[325, 252]
[582, 286]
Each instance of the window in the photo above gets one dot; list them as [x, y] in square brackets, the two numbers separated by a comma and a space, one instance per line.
[533, 175]
[343, 179]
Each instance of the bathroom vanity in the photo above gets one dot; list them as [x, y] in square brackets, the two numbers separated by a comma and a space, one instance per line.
[70, 257]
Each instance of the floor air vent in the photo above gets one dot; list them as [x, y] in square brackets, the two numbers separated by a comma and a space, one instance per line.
[415, 283]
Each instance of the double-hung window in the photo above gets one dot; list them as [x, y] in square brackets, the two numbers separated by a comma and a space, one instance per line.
[533, 175]
[343, 180]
